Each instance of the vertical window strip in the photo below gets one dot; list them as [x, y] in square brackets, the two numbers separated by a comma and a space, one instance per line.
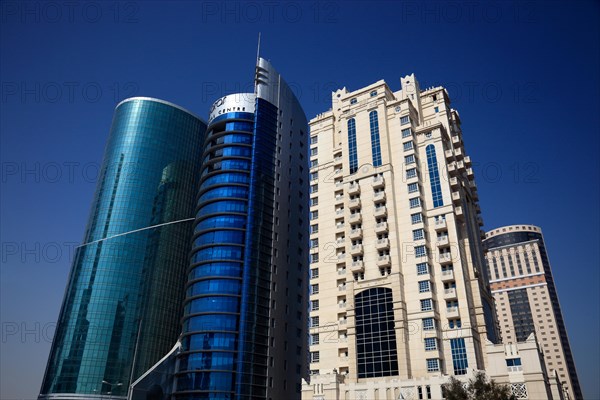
[375, 147]
[459, 356]
[352, 153]
[434, 176]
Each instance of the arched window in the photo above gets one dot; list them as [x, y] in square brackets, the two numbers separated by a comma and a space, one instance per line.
[375, 148]
[352, 145]
[434, 176]
[375, 334]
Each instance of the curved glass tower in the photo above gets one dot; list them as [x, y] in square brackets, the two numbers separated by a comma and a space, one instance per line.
[246, 295]
[121, 311]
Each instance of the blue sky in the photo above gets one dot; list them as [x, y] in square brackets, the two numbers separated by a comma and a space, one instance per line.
[523, 75]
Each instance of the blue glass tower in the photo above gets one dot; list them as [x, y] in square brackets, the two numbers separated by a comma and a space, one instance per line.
[245, 312]
[122, 304]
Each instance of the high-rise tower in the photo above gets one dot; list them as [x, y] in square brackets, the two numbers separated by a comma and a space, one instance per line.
[122, 304]
[526, 300]
[246, 294]
[398, 284]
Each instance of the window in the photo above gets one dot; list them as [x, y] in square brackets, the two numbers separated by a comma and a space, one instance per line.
[375, 335]
[459, 356]
[314, 273]
[411, 173]
[375, 146]
[428, 324]
[426, 305]
[314, 188]
[413, 187]
[352, 152]
[314, 305]
[422, 269]
[418, 234]
[416, 218]
[404, 120]
[424, 286]
[314, 228]
[434, 176]
[433, 364]
[406, 133]
[314, 258]
[314, 163]
[409, 159]
[420, 251]
[314, 339]
[373, 93]
[314, 243]
[314, 215]
[454, 323]
[314, 176]
[314, 289]
[314, 356]
[314, 321]
[415, 202]
[353, 101]
[436, 109]
[314, 201]
[407, 146]
[430, 344]
[314, 139]
[514, 362]
[314, 151]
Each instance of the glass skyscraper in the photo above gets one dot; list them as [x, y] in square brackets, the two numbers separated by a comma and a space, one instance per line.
[121, 311]
[245, 310]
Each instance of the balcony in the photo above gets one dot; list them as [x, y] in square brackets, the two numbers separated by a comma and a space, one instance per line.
[442, 241]
[339, 199]
[380, 211]
[452, 167]
[449, 154]
[454, 182]
[339, 211]
[341, 257]
[341, 271]
[342, 305]
[356, 249]
[354, 203]
[460, 166]
[354, 188]
[440, 224]
[515, 368]
[382, 244]
[452, 312]
[450, 293]
[458, 153]
[469, 172]
[445, 258]
[467, 161]
[381, 227]
[447, 275]
[337, 160]
[459, 212]
[339, 227]
[355, 218]
[342, 288]
[340, 242]
[357, 266]
[383, 261]
[378, 182]
[456, 140]
[456, 197]
[379, 196]
[356, 233]
[339, 184]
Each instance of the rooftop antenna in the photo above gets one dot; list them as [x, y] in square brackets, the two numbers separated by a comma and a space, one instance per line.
[258, 49]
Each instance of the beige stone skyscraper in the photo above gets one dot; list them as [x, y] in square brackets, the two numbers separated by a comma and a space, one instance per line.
[398, 284]
[526, 300]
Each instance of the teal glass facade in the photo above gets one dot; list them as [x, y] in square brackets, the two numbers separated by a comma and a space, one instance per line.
[122, 306]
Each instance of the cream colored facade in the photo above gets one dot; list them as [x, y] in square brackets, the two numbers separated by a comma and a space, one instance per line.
[526, 299]
[367, 227]
[526, 381]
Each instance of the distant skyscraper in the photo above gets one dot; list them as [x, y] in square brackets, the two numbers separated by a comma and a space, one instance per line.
[245, 315]
[399, 288]
[122, 304]
[526, 298]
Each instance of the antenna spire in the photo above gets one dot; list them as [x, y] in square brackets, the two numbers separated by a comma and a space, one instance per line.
[258, 49]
